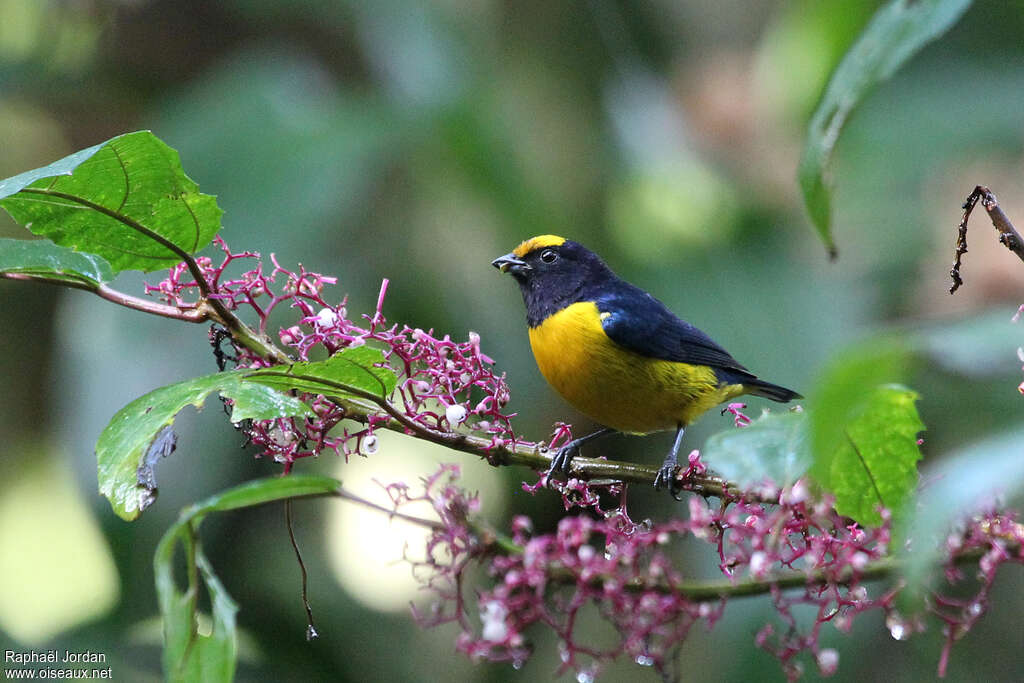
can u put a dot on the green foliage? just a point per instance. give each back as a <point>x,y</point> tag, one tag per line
<point>895,33</point>
<point>864,431</point>
<point>965,482</point>
<point>877,462</point>
<point>43,259</point>
<point>844,390</point>
<point>982,345</point>
<point>538,121</point>
<point>346,373</point>
<point>126,200</point>
<point>858,437</point>
<point>774,446</point>
<point>188,655</point>
<point>124,450</point>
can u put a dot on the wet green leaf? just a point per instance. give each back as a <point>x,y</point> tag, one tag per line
<point>42,259</point>
<point>877,463</point>
<point>135,438</point>
<point>863,430</point>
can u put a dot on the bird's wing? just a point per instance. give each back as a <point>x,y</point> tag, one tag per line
<point>637,321</point>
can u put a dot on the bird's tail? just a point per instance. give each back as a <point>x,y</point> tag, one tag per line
<point>757,387</point>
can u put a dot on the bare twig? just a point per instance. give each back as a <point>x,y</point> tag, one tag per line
<point>1008,235</point>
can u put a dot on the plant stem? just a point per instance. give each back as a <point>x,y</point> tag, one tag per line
<point>521,454</point>
<point>215,309</point>
<point>695,591</point>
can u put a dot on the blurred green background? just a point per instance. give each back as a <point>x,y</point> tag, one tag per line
<point>419,140</point>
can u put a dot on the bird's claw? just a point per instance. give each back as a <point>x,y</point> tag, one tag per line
<point>562,459</point>
<point>667,478</point>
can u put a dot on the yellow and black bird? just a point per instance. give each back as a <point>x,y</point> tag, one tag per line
<point>618,354</point>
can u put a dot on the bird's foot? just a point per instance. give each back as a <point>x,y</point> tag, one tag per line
<point>667,477</point>
<point>561,462</point>
<point>562,459</point>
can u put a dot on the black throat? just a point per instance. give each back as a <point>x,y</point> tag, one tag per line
<point>542,302</point>
<point>546,293</point>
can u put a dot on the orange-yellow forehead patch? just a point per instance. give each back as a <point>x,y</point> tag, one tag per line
<point>536,243</point>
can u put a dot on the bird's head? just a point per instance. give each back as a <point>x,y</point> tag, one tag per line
<point>552,273</point>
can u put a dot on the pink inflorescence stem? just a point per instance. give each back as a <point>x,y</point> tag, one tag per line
<point>443,385</point>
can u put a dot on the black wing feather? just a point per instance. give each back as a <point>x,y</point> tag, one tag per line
<point>644,325</point>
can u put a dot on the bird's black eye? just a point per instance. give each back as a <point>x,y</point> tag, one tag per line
<point>549,256</point>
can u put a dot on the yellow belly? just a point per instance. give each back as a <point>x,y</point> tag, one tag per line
<point>617,387</point>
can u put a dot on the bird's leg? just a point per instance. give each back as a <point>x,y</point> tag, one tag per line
<point>667,473</point>
<point>563,457</point>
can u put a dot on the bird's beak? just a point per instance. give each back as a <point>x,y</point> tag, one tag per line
<point>510,263</point>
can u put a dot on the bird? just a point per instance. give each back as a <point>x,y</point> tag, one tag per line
<point>616,353</point>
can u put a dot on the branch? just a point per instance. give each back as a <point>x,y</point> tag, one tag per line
<point>217,311</point>
<point>694,591</point>
<point>530,455</point>
<point>1008,235</point>
<point>198,314</point>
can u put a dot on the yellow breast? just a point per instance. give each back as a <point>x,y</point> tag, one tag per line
<point>617,387</point>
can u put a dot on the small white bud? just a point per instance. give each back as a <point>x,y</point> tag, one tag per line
<point>456,414</point>
<point>828,661</point>
<point>326,318</point>
<point>859,560</point>
<point>759,564</point>
<point>493,615</point>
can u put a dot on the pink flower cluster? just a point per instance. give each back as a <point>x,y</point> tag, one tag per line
<point>1000,537</point>
<point>443,385</point>
<point>599,563</point>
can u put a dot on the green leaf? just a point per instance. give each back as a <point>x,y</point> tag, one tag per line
<point>262,491</point>
<point>864,430</point>
<point>895,33</point>
<point>877,464</point>
<point>44,260</point>
<point>965,482</point>
<point>189,656</point>
<point>139,434</point>
<point>842,393</point>
<point>127,200</point>
<point>348,372</point>
<point>772,447</point>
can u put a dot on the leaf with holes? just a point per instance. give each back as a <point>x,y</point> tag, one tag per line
<point>139,435</point>
<point>126,200</point>
<point>895,33</point>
